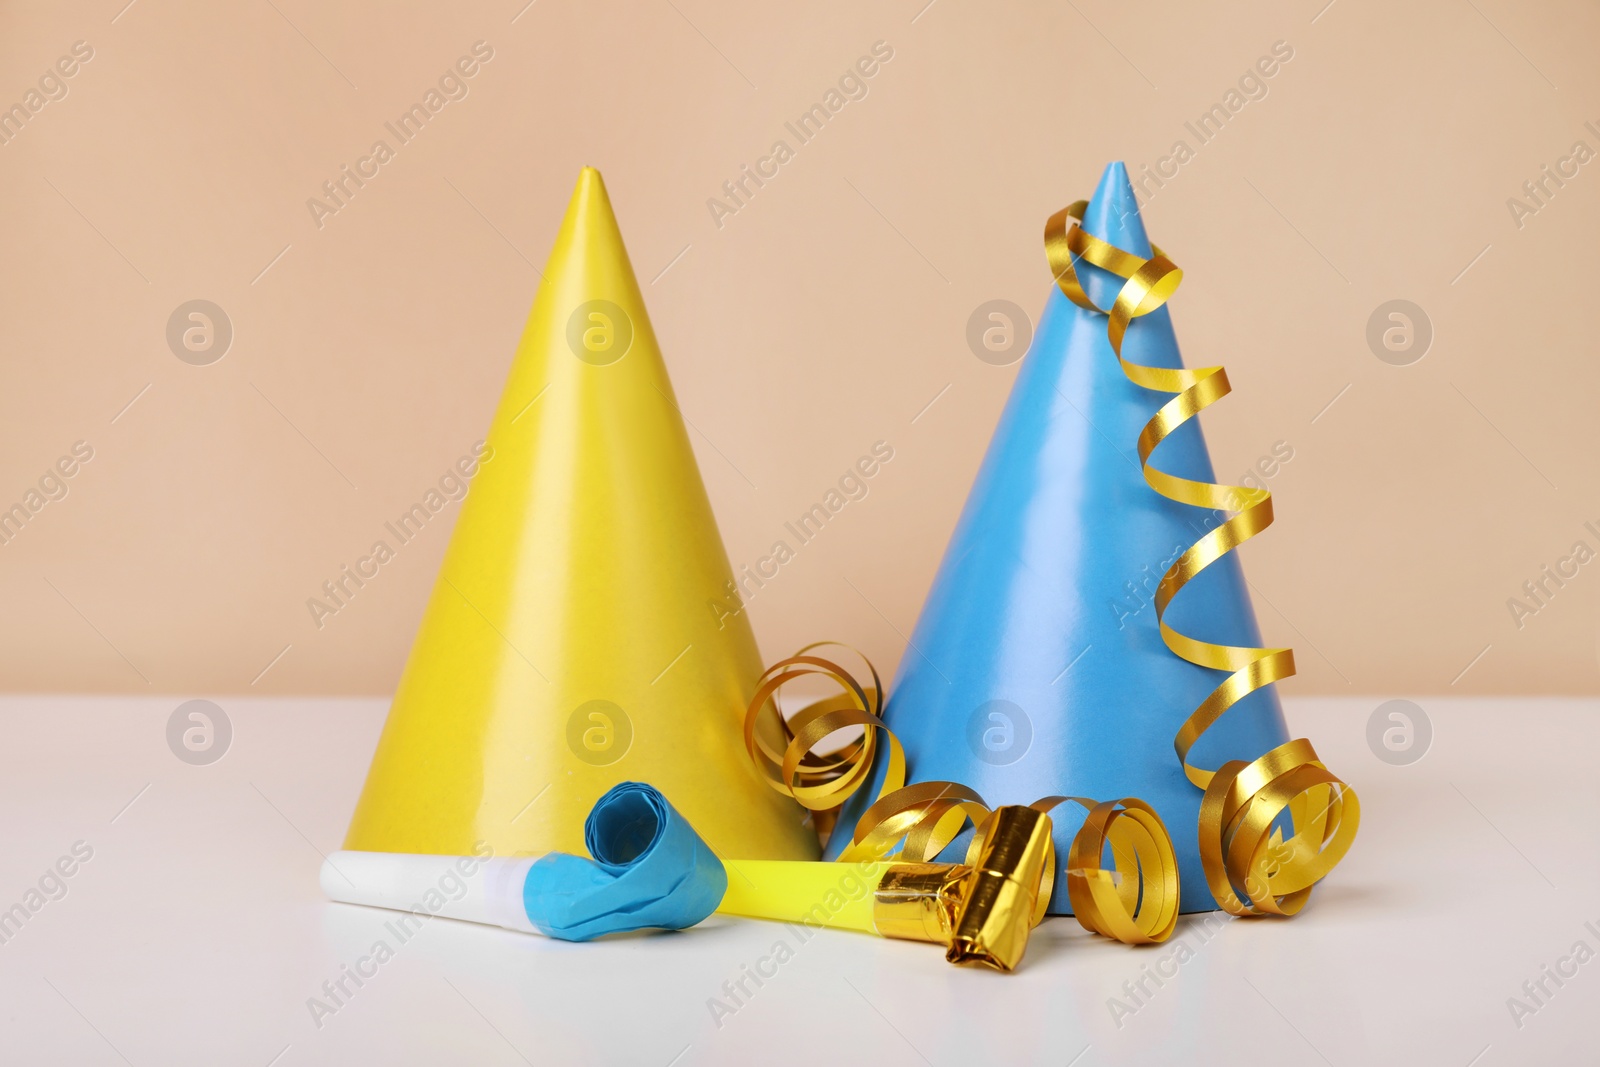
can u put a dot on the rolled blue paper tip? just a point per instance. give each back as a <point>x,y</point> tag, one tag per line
<point>650,870</point>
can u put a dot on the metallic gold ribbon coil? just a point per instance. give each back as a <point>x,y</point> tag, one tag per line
<point>1239,847</point>
<point>924,817</point>
<point>1136,904</point>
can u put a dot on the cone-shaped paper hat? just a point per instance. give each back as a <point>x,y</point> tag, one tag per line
<point>1036,667</point>
<point>568,644</point>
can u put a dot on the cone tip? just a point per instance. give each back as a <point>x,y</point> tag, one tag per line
<point>590,209</point>
<point>1113,212</point>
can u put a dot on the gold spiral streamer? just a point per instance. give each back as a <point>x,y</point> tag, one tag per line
<point>924,817</point>
<point>1135,903</point>
<point>1239,849</point>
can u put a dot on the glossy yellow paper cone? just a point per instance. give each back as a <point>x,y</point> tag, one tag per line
<point>570,642</point>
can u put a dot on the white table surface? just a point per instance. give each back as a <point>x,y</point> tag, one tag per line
<point>196,933</point>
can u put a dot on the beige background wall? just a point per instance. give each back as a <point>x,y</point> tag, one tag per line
<point>367,353</point>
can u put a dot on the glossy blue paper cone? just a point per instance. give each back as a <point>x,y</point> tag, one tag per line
<point>1036,667</point>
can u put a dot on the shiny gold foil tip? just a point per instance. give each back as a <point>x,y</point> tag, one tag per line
<point>1001,907</point>
<point>918,901</point>
<point>981,913</point>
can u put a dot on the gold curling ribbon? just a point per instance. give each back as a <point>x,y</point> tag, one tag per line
<point>1136,902</point>
<point>1137,905</point>
<point>1239,849</point>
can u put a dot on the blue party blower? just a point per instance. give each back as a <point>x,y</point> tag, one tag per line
<point>650,870</point>
<point>1036,667</point>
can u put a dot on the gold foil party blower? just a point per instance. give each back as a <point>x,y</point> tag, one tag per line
<point>981,911</point>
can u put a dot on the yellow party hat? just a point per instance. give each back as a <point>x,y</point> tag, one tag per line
<point>571,640</point>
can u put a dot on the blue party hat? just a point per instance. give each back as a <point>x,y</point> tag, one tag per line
<point>1036,667</point>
